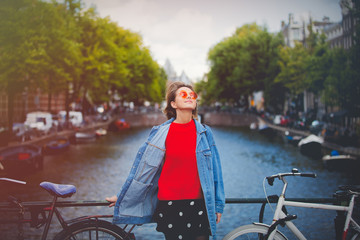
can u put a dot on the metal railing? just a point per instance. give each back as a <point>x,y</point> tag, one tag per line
<point>264,200</point>
<point>40,204</point>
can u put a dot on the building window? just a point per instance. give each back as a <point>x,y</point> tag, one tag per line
<point>296,34</point>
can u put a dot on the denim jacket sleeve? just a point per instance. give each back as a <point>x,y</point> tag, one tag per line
<point>218,180</point>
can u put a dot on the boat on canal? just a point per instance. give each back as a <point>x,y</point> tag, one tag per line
<point>57,145</point>
<point>311,146</point>
<point>100,132</point>
<point>83,137</point>
<point>119,125</point>
<point>22,157</point>
<point>340,161</point>
<point>265,129</point>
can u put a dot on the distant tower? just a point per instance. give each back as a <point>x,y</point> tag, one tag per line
<point>184,78</point>
<point>171,74</point>
<point>170,71</point>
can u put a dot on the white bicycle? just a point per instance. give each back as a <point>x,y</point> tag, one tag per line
<point>264,232</point>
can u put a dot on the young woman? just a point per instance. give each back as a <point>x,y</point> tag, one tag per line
<point>176,179</point>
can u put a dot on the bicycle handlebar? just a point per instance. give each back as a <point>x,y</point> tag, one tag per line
<point>271,179</point>
<point>12,180</point>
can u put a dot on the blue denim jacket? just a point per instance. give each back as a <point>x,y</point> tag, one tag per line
<point>137,199</point>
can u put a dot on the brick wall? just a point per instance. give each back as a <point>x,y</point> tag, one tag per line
<point>30,102</point>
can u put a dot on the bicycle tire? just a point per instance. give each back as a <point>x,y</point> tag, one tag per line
<point>356,236</point>
<point>92,229</point>
<point>252,231</point>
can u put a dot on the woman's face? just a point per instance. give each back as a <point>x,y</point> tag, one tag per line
<point>185,99</point>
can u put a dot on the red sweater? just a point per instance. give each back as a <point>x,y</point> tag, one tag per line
<point>179,177</point>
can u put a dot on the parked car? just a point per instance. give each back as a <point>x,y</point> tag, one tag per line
<point>41,121</point>
<point>75,118</point>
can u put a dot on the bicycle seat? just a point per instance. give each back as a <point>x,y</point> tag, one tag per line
<point>59,190</point>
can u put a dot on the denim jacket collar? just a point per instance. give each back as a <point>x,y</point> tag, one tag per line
<point>199,127</point>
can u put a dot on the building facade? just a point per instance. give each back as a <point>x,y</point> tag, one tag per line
<point>348,22</point>
<point>334,35</point>
<point>29,102</point>
<point>338,35</point>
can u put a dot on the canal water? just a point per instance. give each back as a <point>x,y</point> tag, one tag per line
<point>99,168</point>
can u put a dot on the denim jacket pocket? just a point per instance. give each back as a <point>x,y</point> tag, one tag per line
<point>133,202</point>
<point>206,154</point>
<point>153,155</point>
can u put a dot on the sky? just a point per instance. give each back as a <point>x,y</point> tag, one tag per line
<point>183,31</point>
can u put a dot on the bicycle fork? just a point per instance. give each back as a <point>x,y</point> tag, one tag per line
<point>281,218</point>
<point>348,217</point>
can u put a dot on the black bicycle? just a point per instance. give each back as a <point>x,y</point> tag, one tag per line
<point>41,214</point>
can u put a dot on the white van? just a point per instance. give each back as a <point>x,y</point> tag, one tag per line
<point>41,121</point>
<point>76,118</point>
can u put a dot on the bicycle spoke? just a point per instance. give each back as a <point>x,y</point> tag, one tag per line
<point>92,234</point>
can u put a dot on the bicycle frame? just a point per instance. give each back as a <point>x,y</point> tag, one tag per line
<point>63,191</point>
<point>51,208</point>
<point>279,214</point>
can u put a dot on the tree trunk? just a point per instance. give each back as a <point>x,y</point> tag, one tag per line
<point>83,105</point>
<point>67,108</point>
<point>10,110</point>
<point>49,96</point>
<point>49,101</point>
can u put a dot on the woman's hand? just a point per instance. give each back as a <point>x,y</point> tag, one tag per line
<point>111,200</point>
<point>218,217</point>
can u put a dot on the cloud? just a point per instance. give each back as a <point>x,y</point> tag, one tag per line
<point>182,34</point>
<point>134,14</point>
<point>187,26</point>
<point>184,31</point>
<point>185,39</point>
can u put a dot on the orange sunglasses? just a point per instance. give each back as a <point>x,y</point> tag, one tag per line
<point>184,94</point>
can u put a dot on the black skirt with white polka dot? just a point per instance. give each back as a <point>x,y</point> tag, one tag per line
<point>182,219</point>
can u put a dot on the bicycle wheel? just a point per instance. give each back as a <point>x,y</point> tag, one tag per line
<point>92,229</point>
<point>252,231</point>
<point>356,236</point>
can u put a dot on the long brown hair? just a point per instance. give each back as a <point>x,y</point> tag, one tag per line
<point>172,87</point>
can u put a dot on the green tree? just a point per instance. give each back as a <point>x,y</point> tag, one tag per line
<point>23,52</point>
<point>334,91</point>
<point>61,55</point>
<point>60,47</point>
<point>98,57</point>
<point>318,65</point>
<point>241,64</point>
<point>292,64</point>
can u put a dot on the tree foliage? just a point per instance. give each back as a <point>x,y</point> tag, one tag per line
<point>252,59</point>
<point>61,47</point>
<point>292,62</point>
<point>241,64</point>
